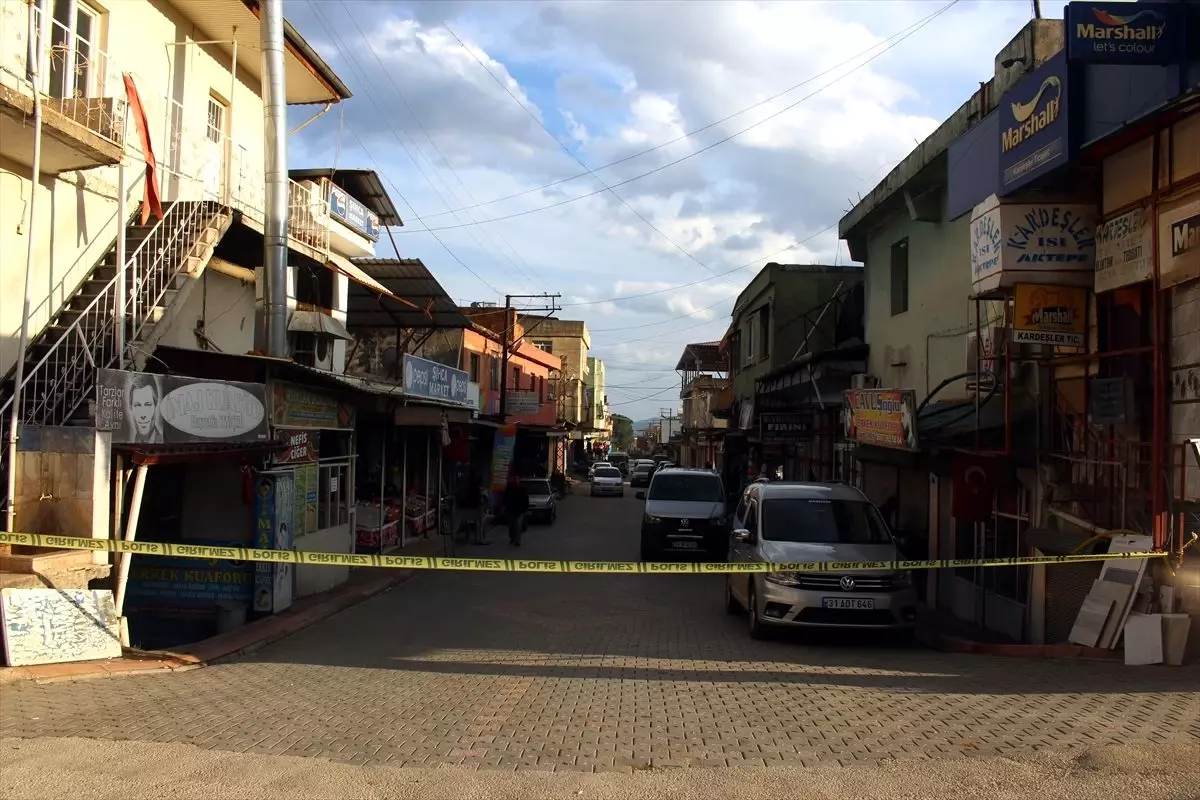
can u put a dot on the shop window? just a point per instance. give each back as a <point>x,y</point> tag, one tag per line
<point>900,277</point>
<point>335,479</point>
<point>474,367</point>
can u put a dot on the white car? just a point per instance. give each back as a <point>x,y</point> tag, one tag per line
<point>607,479</point>
<point>594,466</point>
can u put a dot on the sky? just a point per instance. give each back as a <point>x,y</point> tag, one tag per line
<point>643,160</point>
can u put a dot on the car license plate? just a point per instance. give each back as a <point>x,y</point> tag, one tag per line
<point>854,603</point>
<point>684,545</point>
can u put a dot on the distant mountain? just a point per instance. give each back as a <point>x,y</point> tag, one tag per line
<point>643,424</point>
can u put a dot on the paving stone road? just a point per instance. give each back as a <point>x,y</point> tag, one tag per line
<point>606,672</point>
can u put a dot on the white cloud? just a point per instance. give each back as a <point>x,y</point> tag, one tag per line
<point>611,79</point>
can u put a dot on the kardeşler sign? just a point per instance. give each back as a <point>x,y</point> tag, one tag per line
<point>1051,315</point>
<point>1033,243</point>
<point>882,417</point>
<point>1034,125</point>
<point>424,378</point>
<point>1123,251</point>
<point>144,408</point>
<point>1179,241</point>
<point>1124,33</point>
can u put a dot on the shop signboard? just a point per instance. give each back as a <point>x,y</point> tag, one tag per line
<point>881,417</point>
<point>353,213</point>
<point>179,585</point>
<point>1035,130</point>
<point>273,519</point>
<point>143,408</point>
<point>1179,241</point>
<point>1122,33</point>
<point>521,402</point>
<point>1052,315</point>
<point>295,406</point>
<point>1123,251</point>
<point>300,446</point>
<point>425,378</point>
<point>781,427</point>
<point>1013,243</point>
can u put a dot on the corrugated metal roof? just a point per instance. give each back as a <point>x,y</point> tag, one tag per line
<point>361,184</point>
<point>408,279</point>
<point>309,79</point>
<point>702,357</point>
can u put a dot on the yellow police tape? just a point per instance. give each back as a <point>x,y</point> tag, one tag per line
<point>520,564</point>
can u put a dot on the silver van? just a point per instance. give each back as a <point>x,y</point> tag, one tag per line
<point>789,522</point>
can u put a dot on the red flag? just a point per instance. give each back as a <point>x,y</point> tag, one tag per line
<point>152,201</point>
<point>974,488</point>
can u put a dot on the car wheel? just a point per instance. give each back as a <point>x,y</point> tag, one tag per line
<point>731,603</point>
<point>758,630</point>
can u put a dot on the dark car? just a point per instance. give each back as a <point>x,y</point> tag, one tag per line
<point>641,473</point>
<point>685,514</point>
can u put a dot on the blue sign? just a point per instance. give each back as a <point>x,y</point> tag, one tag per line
<point>353,213</point>
<point>424,378</point>
<point>1125,33</point>
<point>166,585</point>
<point>1035,129</point>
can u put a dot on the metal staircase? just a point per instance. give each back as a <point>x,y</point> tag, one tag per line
<point>61,362</point>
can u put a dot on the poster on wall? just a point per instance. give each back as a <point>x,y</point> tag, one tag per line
<point>502,455</point>
<point>1123,251</point>
<point>1053,315</point>
<point>1179,241</point>
<point>881,417</point>
<point>273,515</point>
<point>284,539</point>
<point>144,408</point>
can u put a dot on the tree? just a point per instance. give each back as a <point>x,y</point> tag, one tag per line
<point>622,433</point>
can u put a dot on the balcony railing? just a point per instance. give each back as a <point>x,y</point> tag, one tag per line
<point>74,84</point>
<point>196,157</point>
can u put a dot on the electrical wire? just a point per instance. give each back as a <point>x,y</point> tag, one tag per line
<point>712,145</point>
<point>692,133</point>
<point>642,399</point>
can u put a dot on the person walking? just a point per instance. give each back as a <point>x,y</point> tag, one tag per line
<point>516,503</point>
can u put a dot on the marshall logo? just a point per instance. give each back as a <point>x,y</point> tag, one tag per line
<point>1185,235</point>
<point>1034,116</point>
<point>1053,315</point>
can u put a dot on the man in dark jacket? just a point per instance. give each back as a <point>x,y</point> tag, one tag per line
<point>516,503</point>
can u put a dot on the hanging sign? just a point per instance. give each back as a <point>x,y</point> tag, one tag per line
<point>1123,251</point>
<point>882,417</point>
<point>1179,241</point>
<point>1053,315</point>
<point>144,408</point>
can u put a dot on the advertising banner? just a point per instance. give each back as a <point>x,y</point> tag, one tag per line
<point>1035,131</point>
<point>1013,243</point>
<point>778,427</point>
<point>301,448</point>
<point>425,378</point>
<point>521,402</point>
<point>882,417</point>
<point>1121,33</point>
<point>295,406</point>
<point>1123,251</point>
<point>143,408</point>
<point>502,455</point>
<point>1179,240</point>
<point>274,509</point>
<point>1053,315</point>
<point>353,213</point>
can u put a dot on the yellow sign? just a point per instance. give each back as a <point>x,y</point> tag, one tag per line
<point>259,555</point>
<point>1054,315</point>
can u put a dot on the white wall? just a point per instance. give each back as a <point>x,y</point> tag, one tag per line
<point>76,211</point>
<point>226,307</point>
<point>316,578</point>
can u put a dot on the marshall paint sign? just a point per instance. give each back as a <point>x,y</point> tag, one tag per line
<point>1125,33</point>
<point>1034,125</point>
<point>1053,315</point>
<point>1179,240</point>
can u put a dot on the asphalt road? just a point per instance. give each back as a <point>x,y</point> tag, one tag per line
<point>643,678</point>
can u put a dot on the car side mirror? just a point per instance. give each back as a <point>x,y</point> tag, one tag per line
<point>640,495</point>
<point>744,536</point>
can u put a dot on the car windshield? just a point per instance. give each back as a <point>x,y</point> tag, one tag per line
<point>537,487</point>
<point>608,472</point>
<point>795,519</point>
<point>644,467</point>
<point>685,487</point>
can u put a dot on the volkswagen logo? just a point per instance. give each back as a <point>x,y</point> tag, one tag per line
<point>683,523</point>
<point>847,583</point>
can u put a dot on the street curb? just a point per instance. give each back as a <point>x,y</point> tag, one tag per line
<point>222,647</point>
<point>953,644</point>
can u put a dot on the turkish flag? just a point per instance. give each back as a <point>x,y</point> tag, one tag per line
<point>152,202</point>
<point>974,488</point>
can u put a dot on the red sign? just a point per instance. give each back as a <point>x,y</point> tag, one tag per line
<point>974,488</point>
<point>301,446</point>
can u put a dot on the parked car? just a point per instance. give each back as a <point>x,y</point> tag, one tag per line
<point>594,466</point>
<point>543,500</point>
<point>791,521</point>
<point>608,480</point>
<point>642,470</point>
<point>684,514</point>
<point>620,461</point>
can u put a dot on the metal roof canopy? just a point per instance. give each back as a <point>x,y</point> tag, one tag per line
<point>361,184</point>
<point>702,357</point>
<point>411,280</point>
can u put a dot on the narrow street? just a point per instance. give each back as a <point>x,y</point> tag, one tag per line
<point>602,673</point>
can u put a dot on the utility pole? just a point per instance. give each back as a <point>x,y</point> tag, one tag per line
<point>508,343</point>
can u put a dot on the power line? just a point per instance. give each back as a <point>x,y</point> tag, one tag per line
<point>706,148</point>
<point>689,134</point>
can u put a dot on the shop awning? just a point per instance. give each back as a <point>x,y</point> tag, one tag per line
<point>150,454</point>
<point>415,299</point>
<point>355,273</point>
<point>319,323</point>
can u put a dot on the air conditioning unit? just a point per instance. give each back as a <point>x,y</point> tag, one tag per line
<point>862,380</point>
<point>313,350</point>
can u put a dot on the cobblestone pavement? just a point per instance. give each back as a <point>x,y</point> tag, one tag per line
<point>606,672</point>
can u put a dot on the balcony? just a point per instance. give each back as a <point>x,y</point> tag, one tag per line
<point>83,114</point>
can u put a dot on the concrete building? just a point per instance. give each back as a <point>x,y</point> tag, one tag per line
<point>569,341</point>
<point>599,415</point>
